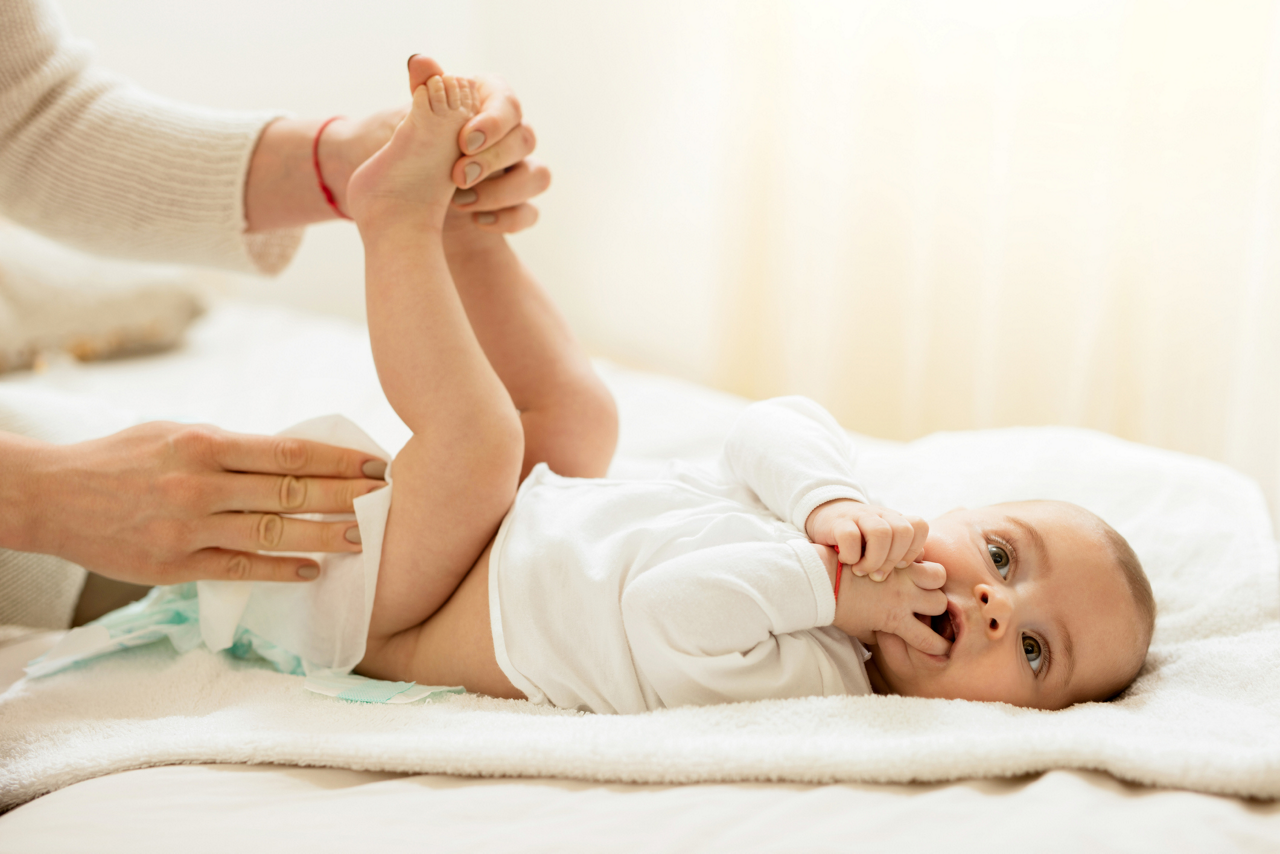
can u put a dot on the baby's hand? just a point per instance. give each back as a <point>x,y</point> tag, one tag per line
<point>871,540</point>
<point>865,607</point>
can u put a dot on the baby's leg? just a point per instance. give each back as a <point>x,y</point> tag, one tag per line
<point>456,477</point>
<point>569,417</point>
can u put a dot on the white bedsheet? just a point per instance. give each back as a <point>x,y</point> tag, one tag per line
<point>314,366</point>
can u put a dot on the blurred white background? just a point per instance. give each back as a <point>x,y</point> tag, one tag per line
<point>926,215</point>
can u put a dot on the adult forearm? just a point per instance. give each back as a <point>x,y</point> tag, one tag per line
<point>21,508</point>
<point>282,190</point>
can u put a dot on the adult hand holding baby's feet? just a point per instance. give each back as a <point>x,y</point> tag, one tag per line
<point>872,540</point>
<point>409,178</point>
<point>495,166</point>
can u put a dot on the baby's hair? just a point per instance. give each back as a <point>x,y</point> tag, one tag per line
<point>1144,601</point>
<point>1139,588</point>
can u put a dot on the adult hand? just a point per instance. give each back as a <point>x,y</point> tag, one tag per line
<point>166,503</point>
<point>495,176</point>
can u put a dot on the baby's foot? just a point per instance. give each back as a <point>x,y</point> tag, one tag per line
<point>410,176</point>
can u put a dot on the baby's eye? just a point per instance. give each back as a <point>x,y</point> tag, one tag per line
<point>1000,558</point>
<point>1031,649</point>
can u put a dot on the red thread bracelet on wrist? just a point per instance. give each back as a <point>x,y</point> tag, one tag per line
<point>839,573</point>
<point>315,161</point>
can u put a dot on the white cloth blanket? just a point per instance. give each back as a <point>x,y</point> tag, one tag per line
<point>1204,714</point>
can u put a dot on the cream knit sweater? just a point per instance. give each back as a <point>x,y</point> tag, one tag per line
<point>90,160</point>
<point>94,162</point>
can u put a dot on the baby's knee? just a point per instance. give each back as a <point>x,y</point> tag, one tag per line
<point>502,454</point>
<point>594,414</point>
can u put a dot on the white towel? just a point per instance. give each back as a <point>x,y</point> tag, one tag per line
<point>1204,714</point>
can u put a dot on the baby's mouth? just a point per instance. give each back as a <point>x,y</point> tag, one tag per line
<point>941,625</point>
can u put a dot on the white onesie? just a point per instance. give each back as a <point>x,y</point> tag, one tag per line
<point>628,595</point>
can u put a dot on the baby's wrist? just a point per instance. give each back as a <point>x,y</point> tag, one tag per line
<point>854,608</point>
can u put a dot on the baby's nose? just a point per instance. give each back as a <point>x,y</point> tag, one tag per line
<point>995,608</point>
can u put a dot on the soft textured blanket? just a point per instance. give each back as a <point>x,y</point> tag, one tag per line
<point>1204,714</point>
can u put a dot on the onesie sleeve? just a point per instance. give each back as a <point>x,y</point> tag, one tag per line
<point>92,161</point>
<point>793,455</point>
<point>728,624</point>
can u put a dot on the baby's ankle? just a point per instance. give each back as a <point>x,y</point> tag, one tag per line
<point>464,241</point>
<point>387,229</point>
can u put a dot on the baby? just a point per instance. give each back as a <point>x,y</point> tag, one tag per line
<point>771,577</point>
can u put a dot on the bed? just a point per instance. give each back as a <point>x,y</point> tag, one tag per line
<point>258,369</point>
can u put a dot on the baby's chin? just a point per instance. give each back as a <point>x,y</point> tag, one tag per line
<point>902,670</point>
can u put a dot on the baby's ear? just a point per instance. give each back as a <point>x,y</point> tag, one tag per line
<point>421,69</point>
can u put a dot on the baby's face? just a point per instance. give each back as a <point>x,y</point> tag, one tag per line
<point>1039,613</point>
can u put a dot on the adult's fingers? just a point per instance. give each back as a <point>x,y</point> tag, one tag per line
<point>519,184</point>
<point>268,493</point>
<point>226,565</point>
<point>507,221</point>
<point>270,532</point>
<point>278,455</point>
<point>499,114</point>
<point>508,151</point>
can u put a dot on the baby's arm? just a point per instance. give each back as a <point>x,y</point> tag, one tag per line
<point>865,607</point>
<point>726,624</point>
<point>796,458</point>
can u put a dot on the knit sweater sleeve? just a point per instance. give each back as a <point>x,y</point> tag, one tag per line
<point>90,160</point>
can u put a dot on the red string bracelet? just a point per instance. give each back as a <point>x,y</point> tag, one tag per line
<point>839,573</point>
<point>315,161</point>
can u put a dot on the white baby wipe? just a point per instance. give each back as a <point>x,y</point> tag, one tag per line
<point>289,615</point>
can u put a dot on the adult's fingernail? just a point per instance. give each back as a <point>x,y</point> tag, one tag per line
<point>375,469</point>
<point>472,172</point>
<point>465,197</point>
<point>410,59</point>
<point>486,218</point>
<point>353,535</point>
<point>309,571</point>
<point>475,139</point>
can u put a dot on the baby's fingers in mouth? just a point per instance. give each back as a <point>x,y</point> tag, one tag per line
<point>943,628</point>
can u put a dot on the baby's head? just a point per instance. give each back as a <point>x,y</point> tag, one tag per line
<point>1047,606</point>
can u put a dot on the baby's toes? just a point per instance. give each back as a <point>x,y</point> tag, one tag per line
<point>451,92</point>
<point>467,92</point>
<point>437,95</point>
